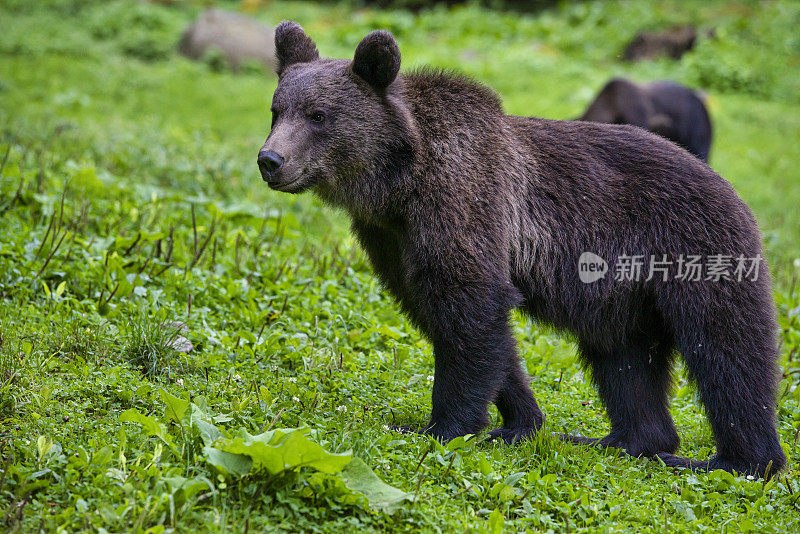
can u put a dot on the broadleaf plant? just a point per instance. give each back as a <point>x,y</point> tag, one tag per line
<point>271,454</point>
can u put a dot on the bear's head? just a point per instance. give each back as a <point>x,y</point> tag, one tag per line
<point>338,126</point>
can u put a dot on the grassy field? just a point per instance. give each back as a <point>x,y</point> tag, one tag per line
<point>131,206</point>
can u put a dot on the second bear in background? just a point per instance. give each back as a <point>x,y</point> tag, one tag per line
<point>665,108</point>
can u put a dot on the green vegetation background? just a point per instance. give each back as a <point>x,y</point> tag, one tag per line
<point>131,199</point>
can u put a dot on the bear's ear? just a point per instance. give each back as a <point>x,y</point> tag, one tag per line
<point>377,59</point>
<point>292,45</point>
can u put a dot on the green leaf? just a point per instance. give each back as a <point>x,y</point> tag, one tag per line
<point>103,456</point>
<point>43,445</point>
<point>228,463</point>
<point>86,178</point>
<point>281,450</point>
<point>190,486</point>
<point>496,522</point>
<point>503,492</point>
<point>359,477</point>
<point>484,466</point>
<point>209,433</point>
<point>143,390</point>
<point>458,443</point>
<point>391,332</point>
<point>150,425</point>
<point>174,408</point>
<point>746,525</point>
<point>549,478</point>
<point>506,494</point>
<point>512,479</point>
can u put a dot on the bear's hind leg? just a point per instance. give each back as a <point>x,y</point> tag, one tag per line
<point>736,378</point>
<point>633,383</point>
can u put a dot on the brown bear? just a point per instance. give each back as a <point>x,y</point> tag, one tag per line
<point>666,108</point>
<point>672,43</point>
<point>466,213</point>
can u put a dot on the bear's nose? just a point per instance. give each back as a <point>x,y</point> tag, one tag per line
<point>269,162</point>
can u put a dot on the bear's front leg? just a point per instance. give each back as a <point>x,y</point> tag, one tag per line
<point>522,417</point>
<point>474,352</point>
<point>464,384</point>
<point>456,287</point>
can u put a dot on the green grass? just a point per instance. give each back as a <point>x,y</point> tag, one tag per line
<point>130,200</point>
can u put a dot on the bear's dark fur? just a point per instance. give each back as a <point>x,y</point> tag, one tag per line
<point>672,43</point>
<point>666,108</point>
<point>466,213</point>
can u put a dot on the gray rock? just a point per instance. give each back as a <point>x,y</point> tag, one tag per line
<point>236,37</point>
<point>181,344</point>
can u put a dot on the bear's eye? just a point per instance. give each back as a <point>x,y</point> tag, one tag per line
<point>317,117</point>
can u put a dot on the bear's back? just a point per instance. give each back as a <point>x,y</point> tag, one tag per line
<point>445,103</point>
<point>624,181</point>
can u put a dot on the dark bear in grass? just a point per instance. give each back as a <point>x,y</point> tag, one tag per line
<point>466,213</point>
<point>672,43</point>
<point>665,108</point>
